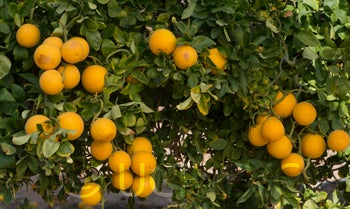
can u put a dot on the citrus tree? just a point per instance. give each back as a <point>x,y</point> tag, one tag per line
<point>234,104</point>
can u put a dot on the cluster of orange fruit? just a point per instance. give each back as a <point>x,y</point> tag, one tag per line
<point>58,75</point>
<point>270,131</point>
<point>130,169</point>
<point>184,56</point>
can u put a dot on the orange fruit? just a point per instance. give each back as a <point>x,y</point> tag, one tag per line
<point>122,181</point>
<point>70,74</point>
<point>85,45</point>
<point>93,78</point>
<point>304,113</point>
<point>272,129</point>
<point>143,186</point>
<point>162,40</point>
<point>185,57</point>
<point>313,145</point>
<point>293,165</point>
<point>101,150</point>
<point>338,140</point>
<point>53,40</point>
<point>72,51</point>
<point>51,82</point>
<point>217,59</point>
<point>103,130</point>
<point>119,161</point>
<point>143,163</point>
<point>140,144</point>
<point>28,35</point>
<point>72,122</point>
<point>47,56</point>
<point>91,194</point>
<point>281,148</point>
<point>284,104</point>
<point>255,137</point>
<point>260,119</point>
<point>31,125</point>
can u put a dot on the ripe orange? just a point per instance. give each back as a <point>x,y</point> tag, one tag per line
<point>70,74</point>
<point>72,122</point>
<point>272,129</point>
<point>32,123</point>
<point>185,57</point>
<point>255,137</point>
<point>72,51</point>
<point>338,140</point>
<point>28,35</point>
<point>143,163</point>
<point>260,119</point>
<point>122,181</point>
<point>313,145</point>
<point>284,104</point>
<point>85,45</point>
<point>217,59</point>
<point>143,186</point>
<point>293,165</point>
<point>47,56</point>
<point>281,148</point>
<point>140,144</point>
<point>103,130</point>
<point>54,40</point>
<point>119,161</point>
<point>101,150</point>
<point>51,82</point>
<point>91,194</point>
<point>93,78</point>
<point>162,40</point>
<point>304,113</point>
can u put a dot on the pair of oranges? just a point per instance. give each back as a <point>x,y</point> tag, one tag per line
<point>69,121</point>
<point>184,56</point>
<point>270,131</point>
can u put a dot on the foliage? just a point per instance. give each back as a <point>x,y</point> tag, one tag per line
<point>196,121</point>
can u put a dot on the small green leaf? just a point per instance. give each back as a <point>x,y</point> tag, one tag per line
<point>5,66</point>
<point>218,144</point>
<point>50,146</point>
<point>189,9</point>
<point>307,38</point>
<point>202,105</point>
<point>66,149</point>
<point>8,149</point>
<point>247,194</point>
<point>211,196</point>
<point>185,104</point>
<point>20,140</point>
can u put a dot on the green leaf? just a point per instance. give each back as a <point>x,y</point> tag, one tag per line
<point>66,149</point>
<point>307,38</point>
<point>189,10</point>
<point>20,140</point>
<point>50,146</point>
<point>201,42</point>
<point>4,28</point>
<point>6,96</point>
<point>309,53</point>
<point>7,161</point>
<point>7,148</point>
<point>311,3</point>
<point>270,25</point>
<point>247,194</point>
<point>94,38</point>
<point>203,106</point>
<point>5,66</point>
<point>185,104</point>
<point>218,144</point>
<point>310,204</point>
